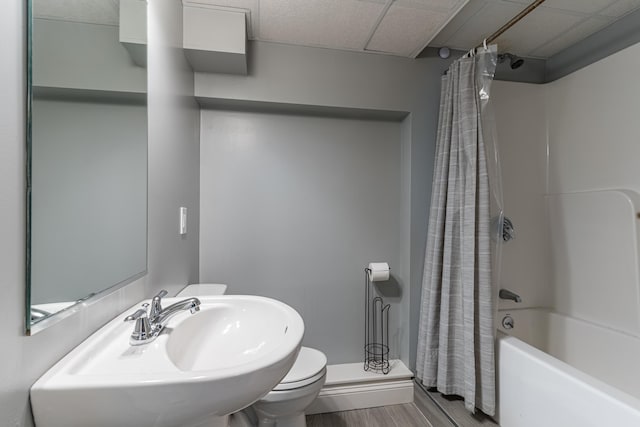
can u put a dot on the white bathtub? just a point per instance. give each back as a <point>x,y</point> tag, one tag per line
<point>555,370</point>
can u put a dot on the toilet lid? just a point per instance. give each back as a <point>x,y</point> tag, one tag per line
<point>308,368</point>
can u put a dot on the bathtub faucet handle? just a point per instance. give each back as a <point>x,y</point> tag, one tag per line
<point>507,322</point>
<point>508,295</point>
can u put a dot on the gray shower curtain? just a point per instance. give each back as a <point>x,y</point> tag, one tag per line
<point>456,331</point>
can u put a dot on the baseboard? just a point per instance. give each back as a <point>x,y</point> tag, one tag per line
<point>349,387</point>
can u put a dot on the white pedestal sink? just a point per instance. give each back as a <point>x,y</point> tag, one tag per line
<point>202,367</point>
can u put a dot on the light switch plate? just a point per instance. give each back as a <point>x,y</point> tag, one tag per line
<point>183,220</point>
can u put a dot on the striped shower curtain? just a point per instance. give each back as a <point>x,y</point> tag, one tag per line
<point>456,330</point>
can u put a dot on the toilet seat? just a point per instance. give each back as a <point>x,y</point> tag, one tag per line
<point>309,367</point>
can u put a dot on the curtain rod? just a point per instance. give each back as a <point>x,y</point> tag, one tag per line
<point>513,21</point>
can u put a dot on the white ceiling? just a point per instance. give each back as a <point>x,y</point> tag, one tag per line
<point>405,27</point>
<point>397,27</point>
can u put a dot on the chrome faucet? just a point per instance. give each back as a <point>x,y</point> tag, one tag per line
<point>160,321</point>
<point>149,326</point>
<point>507,294</point>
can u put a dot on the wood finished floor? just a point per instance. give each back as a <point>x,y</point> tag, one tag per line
<point>454,407</point>
<point>406,415</point>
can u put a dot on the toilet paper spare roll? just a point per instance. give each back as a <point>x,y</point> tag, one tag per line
<point>378,271</point>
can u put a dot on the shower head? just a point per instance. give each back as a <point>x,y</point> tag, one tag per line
<point>514,61</point>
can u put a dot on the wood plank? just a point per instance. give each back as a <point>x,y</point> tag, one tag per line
<point>324,420</point>
<point>406,415</point>
<point>430,410</point>
<point>363,418</point>
<point>425,412</point>
<point>454,407</point>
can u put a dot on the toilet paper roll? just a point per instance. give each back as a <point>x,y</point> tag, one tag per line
<point>378,271</point>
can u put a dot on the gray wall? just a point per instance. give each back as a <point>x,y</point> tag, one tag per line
<point>294,208</point>
<point>295,77</point>
<point>24,358</point>
<point>174,143</point>
<point>532,71</point>
<point>90,233</point>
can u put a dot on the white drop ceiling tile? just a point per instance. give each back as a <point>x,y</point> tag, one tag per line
<point>438,5</point>
<point>240,4</point>
<point>405,31</point>
<point>539,27</point>
<point>574,35</point>
<point>340,24</point>
<point>484,23</point>
<point>620,8</point>
<point>580,6</point>
<point>458,21</point>
<point>105,12</point>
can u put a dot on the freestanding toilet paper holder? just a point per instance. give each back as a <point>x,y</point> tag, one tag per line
<point>376,344</point>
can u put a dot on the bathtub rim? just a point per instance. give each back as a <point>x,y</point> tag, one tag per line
<point>599,387</point>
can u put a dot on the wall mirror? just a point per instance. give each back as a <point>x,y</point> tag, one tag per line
<point>86,153</point>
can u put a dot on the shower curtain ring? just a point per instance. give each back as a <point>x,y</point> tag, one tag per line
<point>484,43</point>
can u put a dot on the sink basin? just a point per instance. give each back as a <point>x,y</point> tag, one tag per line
<point>201,368</point>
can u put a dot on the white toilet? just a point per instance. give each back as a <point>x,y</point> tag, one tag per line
<point>284,406</point>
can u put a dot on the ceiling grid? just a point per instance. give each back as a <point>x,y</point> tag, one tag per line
<point>394,27</point>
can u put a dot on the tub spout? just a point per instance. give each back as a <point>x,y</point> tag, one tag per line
<point>507,294</point>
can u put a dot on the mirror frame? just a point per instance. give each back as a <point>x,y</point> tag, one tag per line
<point>29,90</point>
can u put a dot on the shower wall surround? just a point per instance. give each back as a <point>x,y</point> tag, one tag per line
<point>522,143</point>
<point>173,182</point>
<point>594,188</point>
<point>571,185</point>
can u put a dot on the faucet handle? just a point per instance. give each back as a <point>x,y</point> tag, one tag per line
<point>136,314</point>
<point>156,304</point>
<point>142,331</point>
<point>163,293</point>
